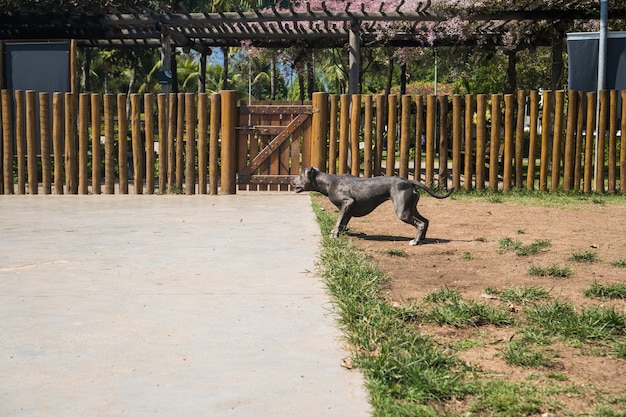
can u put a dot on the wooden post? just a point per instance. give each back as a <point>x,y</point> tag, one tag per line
<point>109,144</point>
<point>162,121</point>
<point>622,149</point>
<point>367,136</point>
<point>171,139</point>
<point>580,139</point>
<point>44,129</point>
<point>431,122</point>
<point>481,140</point>
<point>31,142</point>
<point>457,136</point>
<point>494,150</point>
<point>334,134</point>
<point>57,142</point>
<point>122,143</point>
<point>392,126</point>
<point>96,148</point>
<point>557,139</point>
<point>469,141</point>
<point>419,134</point>
<point>405,135</point>
<point>20,141</point>
<point>545,140</point>
<point>149,141</point>
<point>319,130</point>
<point>589,141</point>
<point>613,100</point>
<point>180,142</point>
<point>83,143</point>
<point>229,142</point>
<point>190,143</point>
<point>344,130</point>
<point>137,148</point>
<point>519,140</point>
<point>599,161</point>
<point>570,140</point>
<point>71,144</point>
<point>380,131</point>
<point>509,137</point>
<point>7,139</point>
<point>216,114</point>
<point>355,141</point>
<point>203,131</point>
<point>532,141</point>
<point>443,141</point>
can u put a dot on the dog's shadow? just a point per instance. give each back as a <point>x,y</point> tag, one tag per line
<point>389,238</point>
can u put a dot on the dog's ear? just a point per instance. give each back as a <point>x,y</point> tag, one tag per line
<point>312,172</point>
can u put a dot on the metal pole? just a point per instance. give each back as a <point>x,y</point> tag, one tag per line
<point>602,42</point>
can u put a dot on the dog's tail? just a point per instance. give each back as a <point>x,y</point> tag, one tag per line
<point>430,191</point>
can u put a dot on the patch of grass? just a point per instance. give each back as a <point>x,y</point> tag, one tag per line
<point>400,253</point>
<point>480,239</point>
<point>505,399</point>
<point>619,263</point>
<point>448,307</point>
<point>584,257</point>
<point>519,295</point>
<point>589,325</point>
<point>534,248</point>
<point>467,256</point>
<point>468,344</point>
<point>613,291</point>
<point>552,271</point>
<point>520,353</point>
<point>506,243</point>
<point>509,244</point>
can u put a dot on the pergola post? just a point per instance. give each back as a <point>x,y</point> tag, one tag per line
<point>355,57</point>
<point>166,59</point>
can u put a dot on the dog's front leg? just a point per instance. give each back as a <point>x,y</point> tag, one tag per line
<point>344,217</point>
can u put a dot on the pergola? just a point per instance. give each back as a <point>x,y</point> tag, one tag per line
<point>283,28</point>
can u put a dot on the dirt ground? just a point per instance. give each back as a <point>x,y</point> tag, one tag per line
<point>462,252</point>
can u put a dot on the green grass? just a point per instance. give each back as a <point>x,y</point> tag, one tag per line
<point>400,253</point>
<point>467,256</point>
<point>558,198</point>
<point>520,353</point>
<point>584,257</point>
<point>619,263</point>
<point>448,307</point>
<point>519,295</point>
<point>553,271</point>
<point>509,244</point>
<point>614,291</point>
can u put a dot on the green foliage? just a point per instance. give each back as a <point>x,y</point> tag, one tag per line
<point>508,244</point>
<point>519,295</point>
<point>551,271</point>
<point>585,257</point>
<point>614,291</point>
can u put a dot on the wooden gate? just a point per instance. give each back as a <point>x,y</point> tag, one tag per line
<point>272,141</point>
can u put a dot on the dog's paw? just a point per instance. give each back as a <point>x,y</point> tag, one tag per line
<point>414,242</point>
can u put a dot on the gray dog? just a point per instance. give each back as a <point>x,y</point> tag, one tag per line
<point>357,197</point>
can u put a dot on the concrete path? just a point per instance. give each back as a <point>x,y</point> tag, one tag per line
<point>167,306</point>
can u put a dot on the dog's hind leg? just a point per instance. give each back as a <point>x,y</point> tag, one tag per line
<point>406,210</point>
<point>421,224</point>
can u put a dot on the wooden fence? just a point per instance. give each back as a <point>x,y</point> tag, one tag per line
<point>188,143</point>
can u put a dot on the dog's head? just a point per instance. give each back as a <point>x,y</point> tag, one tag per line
<point>306,180</point>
